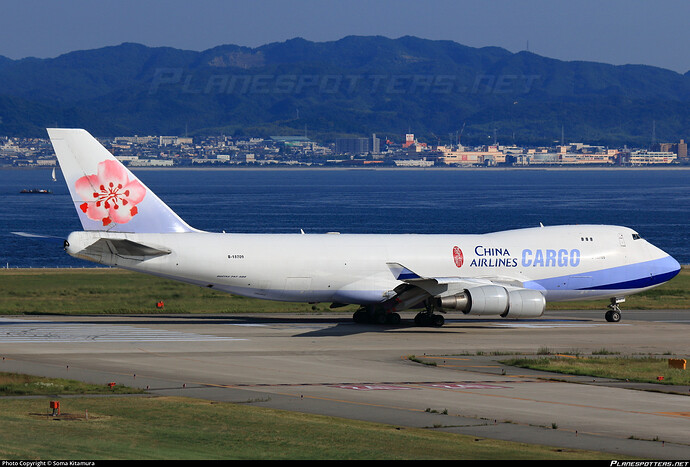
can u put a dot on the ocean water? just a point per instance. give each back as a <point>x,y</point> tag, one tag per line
<point>656,203</point>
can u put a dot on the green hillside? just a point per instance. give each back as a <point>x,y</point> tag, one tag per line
<point>353,86</point>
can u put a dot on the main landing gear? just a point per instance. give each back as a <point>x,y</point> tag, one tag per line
<point>428,317</point>
<point>424,318</point>
<point>614,313</point>
<point>374,315</point>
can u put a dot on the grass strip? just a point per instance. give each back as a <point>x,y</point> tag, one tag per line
<point>15,384</point>
<point>181,428</point>
<point>116,291</point>
<point>637,369</point>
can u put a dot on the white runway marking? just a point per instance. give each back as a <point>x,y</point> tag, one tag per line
<point>28,331</point>
<point>556,325</point>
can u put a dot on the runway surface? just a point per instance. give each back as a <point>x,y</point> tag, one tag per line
<point>326,364</point>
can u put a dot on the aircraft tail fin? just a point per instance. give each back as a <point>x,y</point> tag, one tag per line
<point>107,196</point>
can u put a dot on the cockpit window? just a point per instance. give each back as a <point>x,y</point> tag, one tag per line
<point>636,236</point>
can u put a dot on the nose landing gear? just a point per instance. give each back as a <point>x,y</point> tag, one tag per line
<point>614,313</point>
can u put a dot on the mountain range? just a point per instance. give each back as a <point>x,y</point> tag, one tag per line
<point>355,86</point>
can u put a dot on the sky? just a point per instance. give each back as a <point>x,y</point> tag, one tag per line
<point>649,32</point>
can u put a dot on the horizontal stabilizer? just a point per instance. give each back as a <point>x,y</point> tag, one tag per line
<point>45,238</point>
<point>125,249</point>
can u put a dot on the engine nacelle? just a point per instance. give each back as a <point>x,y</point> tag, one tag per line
<point>496,300</point>
<point>525,303</point>
<point>483,300</point>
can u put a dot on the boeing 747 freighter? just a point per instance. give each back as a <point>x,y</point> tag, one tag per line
<point>511,274</point>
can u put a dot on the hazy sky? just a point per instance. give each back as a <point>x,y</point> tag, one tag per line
<point>650,32</point>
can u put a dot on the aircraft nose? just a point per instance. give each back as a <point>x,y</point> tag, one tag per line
<point>674,267</point>
<point>666,267</point>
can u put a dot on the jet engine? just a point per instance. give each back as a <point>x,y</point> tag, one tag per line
<point>496,300</point>
<point>525,303</point>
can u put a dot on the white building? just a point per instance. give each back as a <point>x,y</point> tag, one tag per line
<point>651,157</point>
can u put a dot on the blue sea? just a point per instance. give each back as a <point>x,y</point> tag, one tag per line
<point>654,202</point>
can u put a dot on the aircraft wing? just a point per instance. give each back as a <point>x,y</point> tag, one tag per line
<point>438,285</point>
<point>504,296</point>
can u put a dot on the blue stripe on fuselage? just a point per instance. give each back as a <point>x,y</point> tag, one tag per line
<point>630,276</point>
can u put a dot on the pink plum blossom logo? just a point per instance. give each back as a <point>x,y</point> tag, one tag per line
<point>458,257</point>
<point>109,195</point>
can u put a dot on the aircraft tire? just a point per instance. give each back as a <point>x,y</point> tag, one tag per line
<point>393,318</point>
<point>438,320</point>
<point>613,316</point>
<point>360,317</point>
<point>425,319</point>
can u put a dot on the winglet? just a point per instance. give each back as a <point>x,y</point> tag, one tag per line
<point>402,273</point>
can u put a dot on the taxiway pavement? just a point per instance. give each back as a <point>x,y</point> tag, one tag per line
<point>327,364</point>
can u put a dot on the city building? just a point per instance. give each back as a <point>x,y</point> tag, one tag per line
<point>680,149</point>
<point>357,146</point>
<point>643,157</point>
<point>221,150</point>
<point>489,155</point>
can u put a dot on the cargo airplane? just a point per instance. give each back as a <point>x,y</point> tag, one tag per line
<point>511,274</point>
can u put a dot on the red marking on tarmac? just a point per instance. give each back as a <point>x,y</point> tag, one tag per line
<point>467,386</point>
<point>390,387</point>
<point>371,387</point>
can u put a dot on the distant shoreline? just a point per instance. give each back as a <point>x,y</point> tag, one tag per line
<point>287,168</point>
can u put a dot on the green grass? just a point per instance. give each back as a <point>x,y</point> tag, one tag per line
<point>103,291</point>
<point>181,428</point>
<point>115,291</point>
<point>149,427</point>
<point>638,369</point>
<point>14,384</point>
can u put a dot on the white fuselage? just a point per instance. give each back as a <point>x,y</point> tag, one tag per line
<point>562,262</point>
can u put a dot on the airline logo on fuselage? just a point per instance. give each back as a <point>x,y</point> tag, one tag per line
<point>487,257</point>
<point>550,258</point>
<point>458,256</point>
<point>493,257</point>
